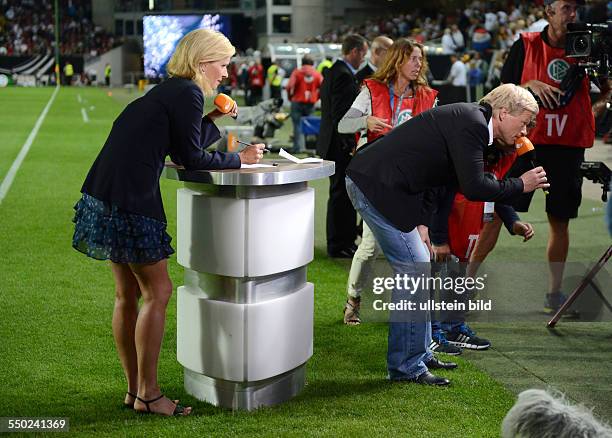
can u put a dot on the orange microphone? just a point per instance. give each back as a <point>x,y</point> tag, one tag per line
<point>224,103</point>
<point>524,147</point>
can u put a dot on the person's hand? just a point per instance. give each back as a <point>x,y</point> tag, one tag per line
<point>234,111</point>
<point>549,95</point>
<point>599,107</point>
<point>376,124</point>
<point>424,233</point>
<point>523,229</point>
<point>215,114</point>
<point>534,179</point>
<point>252,154</point>
<point>441,252</point>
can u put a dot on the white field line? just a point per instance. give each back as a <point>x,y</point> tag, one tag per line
<point>84,114</point>
<point>10,176</point>
<point>79,98</point>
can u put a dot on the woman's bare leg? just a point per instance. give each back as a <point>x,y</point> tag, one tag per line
<point>156,289</point>
<point>125,313</point>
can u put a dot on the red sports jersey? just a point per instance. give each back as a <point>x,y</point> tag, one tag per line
<point>256,76</point>
<point>304,84</point>
<point>465,220</point>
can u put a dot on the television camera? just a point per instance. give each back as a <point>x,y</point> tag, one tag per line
<point>591,44</point>
<point>266,117</point>
<point>599,173</point>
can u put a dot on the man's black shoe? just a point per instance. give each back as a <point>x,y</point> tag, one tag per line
<point>345,253</point>
<point>429,379</point>
<point>436,364</point>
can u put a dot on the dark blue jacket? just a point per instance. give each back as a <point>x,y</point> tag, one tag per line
<point>444,146</point>
<point>166,121</point>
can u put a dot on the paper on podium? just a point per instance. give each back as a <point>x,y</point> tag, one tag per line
<point>283,153</point>
<point>254,166</point>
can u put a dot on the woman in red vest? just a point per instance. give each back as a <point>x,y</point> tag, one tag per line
<point>396,92</point>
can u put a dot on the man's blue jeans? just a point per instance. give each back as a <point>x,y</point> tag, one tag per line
<point>409,331</point>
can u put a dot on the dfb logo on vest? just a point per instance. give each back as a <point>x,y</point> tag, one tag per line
<point>404,116</point>
<point>557,69</point>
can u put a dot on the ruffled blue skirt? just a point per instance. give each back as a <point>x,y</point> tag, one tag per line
<point>105,232</point>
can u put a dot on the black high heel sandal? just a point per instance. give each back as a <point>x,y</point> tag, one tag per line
<point>178,409</point>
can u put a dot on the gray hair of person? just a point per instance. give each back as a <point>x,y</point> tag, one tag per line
<point>539,414</point>
<point>381,42</point>
<point>513,98</point>
<point>352,41</point>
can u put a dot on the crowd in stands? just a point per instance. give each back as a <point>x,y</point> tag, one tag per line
<point>482,25</point>
<point>474,33</point>
<point>27,27</point>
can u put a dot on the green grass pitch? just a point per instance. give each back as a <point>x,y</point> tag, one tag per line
<point>57,357</point>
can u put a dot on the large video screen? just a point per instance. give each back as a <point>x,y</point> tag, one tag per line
<point>161,34</point>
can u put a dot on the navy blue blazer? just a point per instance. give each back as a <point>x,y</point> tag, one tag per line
<point>444,146</point>
<point>165,121</point>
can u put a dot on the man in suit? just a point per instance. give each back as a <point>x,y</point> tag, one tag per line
<point>378,50</point>
<point>390,181</point>
<point>338,91</point>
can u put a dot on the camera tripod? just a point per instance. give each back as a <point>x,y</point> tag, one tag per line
<point>588,279</point>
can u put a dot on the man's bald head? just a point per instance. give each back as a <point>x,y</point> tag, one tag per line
<point>379,48</point>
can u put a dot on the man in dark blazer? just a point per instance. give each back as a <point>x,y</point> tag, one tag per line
<point>378,51</point>
<point>389,180</point>
<point>338,91</point>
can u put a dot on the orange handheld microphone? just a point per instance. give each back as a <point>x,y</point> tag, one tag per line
<point>524,147</point>
<point>224,103</point>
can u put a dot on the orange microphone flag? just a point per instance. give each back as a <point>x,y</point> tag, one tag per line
<point>224,103</point>
<point>523,145</point>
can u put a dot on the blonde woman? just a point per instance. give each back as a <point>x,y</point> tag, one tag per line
<point>120,216</point>
<point>396,92</point>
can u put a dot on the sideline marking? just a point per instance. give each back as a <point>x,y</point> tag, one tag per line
<point>10,176</point>
<point>84,113</point>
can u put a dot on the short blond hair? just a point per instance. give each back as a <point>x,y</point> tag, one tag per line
<point>200,45</point>
<point>513,98</point>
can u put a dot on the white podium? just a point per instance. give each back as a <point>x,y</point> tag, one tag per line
<point>245,312</point>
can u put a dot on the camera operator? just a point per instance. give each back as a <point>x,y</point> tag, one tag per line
<point>563,130</point>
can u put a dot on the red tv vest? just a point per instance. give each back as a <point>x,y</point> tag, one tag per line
<point>465,220</point>
<point>381,104</point>
<point>572,125</point>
